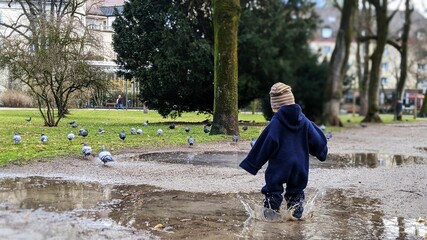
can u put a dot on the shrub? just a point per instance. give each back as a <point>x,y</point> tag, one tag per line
<point>19,99</point>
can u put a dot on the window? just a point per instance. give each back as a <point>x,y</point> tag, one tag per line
<point>32,48</point>
<point>364,50</point>
<point>421,35</point>
<point>384,66</point>
<point>386,52</point>
<point>320,3</point>
<point>384,81</point>
<point>326,50</point>
<point>332,19</point>
<point>327,32</point>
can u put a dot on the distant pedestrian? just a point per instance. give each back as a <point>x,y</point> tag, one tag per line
<point>119,102</point>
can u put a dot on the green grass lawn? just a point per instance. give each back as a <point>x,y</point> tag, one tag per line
<point>386,118</point>
<point>113,122</point>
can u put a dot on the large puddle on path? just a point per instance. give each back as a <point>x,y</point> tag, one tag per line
<point>233,159</point>
<point>329,214</point>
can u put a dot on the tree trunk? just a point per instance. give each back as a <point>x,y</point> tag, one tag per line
<point>338,65</point>
<point>364,84</point>
<point>423,110</point>
<point>404,60</point>
<point>364,79</point>
<point>226,15</point>
<point>374,77</point>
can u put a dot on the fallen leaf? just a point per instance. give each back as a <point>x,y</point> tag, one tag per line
<point>159,227</point>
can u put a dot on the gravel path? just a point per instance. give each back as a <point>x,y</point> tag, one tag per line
<point>402,190</point>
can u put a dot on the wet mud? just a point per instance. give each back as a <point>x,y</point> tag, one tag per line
<point>329,214</point>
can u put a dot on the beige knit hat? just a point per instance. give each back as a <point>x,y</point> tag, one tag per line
<point>281,94</point>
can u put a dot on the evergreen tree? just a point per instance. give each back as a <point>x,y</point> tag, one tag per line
<point>167,46</point>
<point>273,47</point>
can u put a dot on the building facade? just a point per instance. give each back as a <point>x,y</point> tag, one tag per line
<point>324,39</point>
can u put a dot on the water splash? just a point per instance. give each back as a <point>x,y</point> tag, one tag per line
<point>257,211</point>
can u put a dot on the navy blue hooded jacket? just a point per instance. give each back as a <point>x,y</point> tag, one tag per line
<point>286,144</point>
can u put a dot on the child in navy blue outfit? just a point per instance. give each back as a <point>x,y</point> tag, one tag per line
<point>286,144</point>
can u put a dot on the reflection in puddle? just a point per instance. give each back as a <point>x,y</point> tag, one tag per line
<point>233,159</point>
<point>334,214</point>
<point>370,160</point>
<point>220,159</point>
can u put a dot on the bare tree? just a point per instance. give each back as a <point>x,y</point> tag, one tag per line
<point>403,50</point>
<point>362,57</point>
<point>226,15</point>
<point>338,64</point>
<point>420,76</point>
<point>47,48</point>
<point>382,22</point>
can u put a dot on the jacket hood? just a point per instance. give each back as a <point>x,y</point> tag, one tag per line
<point>290,116</point>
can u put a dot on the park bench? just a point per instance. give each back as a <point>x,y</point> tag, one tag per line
<point>110,104</point>
<point>408,110</point>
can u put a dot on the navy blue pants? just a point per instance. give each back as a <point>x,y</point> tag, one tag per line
<point>274,200</point>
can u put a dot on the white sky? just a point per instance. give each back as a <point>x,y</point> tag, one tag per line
<point>419,5</point>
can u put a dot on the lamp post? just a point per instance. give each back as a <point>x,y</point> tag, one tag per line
<point>126,94</point>
<point>133,93</point>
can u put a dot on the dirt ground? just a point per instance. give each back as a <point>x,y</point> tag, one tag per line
<point>402,189</point>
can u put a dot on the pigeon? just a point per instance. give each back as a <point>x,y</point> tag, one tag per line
<point>43,138</point>
<point>253,141</point>
<point>72,122</point>
<point>172,126</point>
<point>17,138</point>
<point>322,127</point>
<point>70,136</point>
<point>206,129</point>
<point>122,135</point>
<point>328,135</point>
<point>28,119</point>
<point>159,131</point>
<point>363,125</point>
<point>86,150</point>
<point>83,132</point>
<point>101,131</point>
<point>191,140</point>
<point>139,131</point>
<point>146,123</point>
<point>245,127</point>
<point>235,138</point>
<point>133,131</point>
<point>105,156</point>
<point>74,125</point>
<point>187,129</point>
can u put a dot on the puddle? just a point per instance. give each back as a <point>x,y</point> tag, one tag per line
<point>369,160</point>
<point>219,159</point>
<point>233,159</point>
<point>330,214</point>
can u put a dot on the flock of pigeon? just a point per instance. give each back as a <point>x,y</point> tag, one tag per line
<point>104,155</point>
